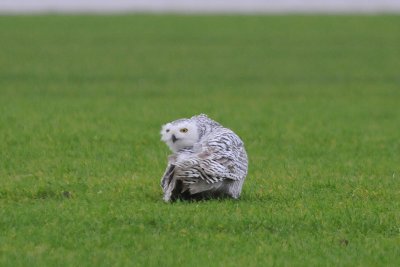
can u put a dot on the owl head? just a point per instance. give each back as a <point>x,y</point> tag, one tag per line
<point>180,134</point>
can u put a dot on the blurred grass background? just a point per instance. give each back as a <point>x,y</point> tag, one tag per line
<point>315,99</point>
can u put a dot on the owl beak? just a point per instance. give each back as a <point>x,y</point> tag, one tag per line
<point>174,138</point>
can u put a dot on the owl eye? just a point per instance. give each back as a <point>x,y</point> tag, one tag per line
<point>167,130</point>
<point>183,130</point>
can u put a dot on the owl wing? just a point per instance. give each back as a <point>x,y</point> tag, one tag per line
<point>166,178</point>
<point>222,157</point>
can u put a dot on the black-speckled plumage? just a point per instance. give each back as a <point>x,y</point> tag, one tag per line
<point>214,166</point>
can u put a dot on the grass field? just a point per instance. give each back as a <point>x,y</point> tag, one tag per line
<point>316,100</point>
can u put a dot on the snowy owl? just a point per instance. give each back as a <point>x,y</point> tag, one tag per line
<point>208,160</point>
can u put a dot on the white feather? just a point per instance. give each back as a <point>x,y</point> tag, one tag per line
<point>208,161</point>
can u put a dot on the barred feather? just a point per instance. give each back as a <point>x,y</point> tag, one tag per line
<point>215,166</point>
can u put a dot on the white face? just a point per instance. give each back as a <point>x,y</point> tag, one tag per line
<point>179,135</point>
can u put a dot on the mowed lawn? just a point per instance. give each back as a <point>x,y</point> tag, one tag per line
<point>316,100</point>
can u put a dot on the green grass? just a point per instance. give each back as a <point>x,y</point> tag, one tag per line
<point>316,100</point>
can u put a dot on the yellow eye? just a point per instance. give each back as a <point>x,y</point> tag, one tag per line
<point>183,130</point>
